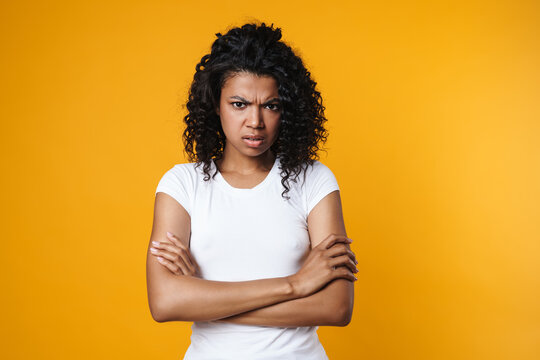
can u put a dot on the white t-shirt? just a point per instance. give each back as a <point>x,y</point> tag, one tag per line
<point>248,234</point>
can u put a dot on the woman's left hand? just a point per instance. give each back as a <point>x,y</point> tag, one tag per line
<point>175,256</point>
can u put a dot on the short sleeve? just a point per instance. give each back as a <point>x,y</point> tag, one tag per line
<point>176,182</point>
<point>319,183</point>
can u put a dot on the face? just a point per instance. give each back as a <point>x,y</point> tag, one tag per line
<point>249,107</point>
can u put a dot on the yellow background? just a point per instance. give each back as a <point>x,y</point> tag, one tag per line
<point>434,139</point>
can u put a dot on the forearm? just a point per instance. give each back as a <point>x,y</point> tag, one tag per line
<point>187,298</point>
<point>330,306</point>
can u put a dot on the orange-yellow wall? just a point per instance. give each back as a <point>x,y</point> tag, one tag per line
<point>434,123</point>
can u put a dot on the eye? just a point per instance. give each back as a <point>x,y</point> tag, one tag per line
<point>234,104</point>
<point>274,107</point>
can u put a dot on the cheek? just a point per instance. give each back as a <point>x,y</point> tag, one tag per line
<point>230,124</point>
<point>276,124</point>
<point>227,119</point>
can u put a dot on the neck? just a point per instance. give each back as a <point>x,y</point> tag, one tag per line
<point>238,163</point>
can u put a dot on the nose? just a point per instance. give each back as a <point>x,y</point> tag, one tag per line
<point>255,118</point>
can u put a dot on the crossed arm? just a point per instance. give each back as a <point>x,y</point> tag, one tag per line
<point>266,302</point>
<point>330,306</point>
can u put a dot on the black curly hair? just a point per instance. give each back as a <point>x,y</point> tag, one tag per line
<point>256,49</point>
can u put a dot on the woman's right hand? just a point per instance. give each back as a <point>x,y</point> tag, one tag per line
<point>331,259</point>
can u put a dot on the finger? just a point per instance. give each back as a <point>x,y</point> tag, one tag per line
<point>343,260</point>
<point>187,258</point>
<point>352,255</point>
<point>185,269</point>
<point>332,239</point>
<point>194,262</point>
<point>174,258</point>
<point>160,250</point>
<point>180,250</point>
<point>339,249</point>
<point>344,273</point>
<point>174,239</point>
<point>172,267</point>
<point>181,245</point>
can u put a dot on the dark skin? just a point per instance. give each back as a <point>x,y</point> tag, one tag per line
<point>331,305</point>
<point>320,293</point>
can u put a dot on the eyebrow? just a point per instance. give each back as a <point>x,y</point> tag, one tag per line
<point>249,102</point>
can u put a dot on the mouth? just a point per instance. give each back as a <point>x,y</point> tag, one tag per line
<point>253,140</point>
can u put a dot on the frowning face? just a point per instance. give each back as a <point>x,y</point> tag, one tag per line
<point>250,113</point>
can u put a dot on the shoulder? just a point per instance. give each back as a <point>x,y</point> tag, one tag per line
<point>319,182</point>
<point>318,167</point>
<point>179,182</point>
<point>184,168</point>
<point>317,172</point>
<point>182,172</point>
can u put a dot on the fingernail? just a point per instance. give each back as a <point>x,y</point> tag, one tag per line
<point>161,259</point>
<point>169,234</point>
<point>155,243</point>
<point>153,250</point>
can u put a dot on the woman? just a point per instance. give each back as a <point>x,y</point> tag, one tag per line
<point>248,239</point>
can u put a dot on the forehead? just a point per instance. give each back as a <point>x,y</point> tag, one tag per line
<point>249,83</point>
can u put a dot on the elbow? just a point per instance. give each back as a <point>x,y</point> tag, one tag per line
<point>158,316</point>
<point>345,304</point>
<point>167,308</point>
<point>158,310</point>
<point>343,316</point>
<point>344,320</point>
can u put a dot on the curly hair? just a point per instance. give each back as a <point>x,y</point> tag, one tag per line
<point>256,49</point>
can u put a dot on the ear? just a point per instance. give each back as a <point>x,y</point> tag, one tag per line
<point>217,111</point>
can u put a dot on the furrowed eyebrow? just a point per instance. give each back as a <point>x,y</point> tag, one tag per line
<point>249,102</point>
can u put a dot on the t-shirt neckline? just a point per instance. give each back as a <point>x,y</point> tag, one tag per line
<point>224,184</point>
